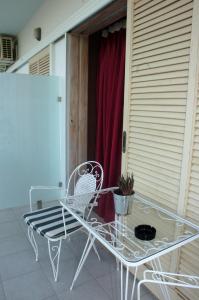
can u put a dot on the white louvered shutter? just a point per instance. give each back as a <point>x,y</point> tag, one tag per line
<point>189,255</point>
<point>40,63</point>
<point>158,79</point>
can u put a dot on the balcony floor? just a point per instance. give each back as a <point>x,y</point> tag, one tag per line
<point>21,278</point>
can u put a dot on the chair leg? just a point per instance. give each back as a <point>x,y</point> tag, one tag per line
<point>97,253</point>
<point>33,241</point>
<point>54,254</point>
<point>94,248</point>
<point>87,248</point>
<point>156,265</point>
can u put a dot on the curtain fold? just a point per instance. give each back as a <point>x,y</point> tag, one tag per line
<point>110,98</point>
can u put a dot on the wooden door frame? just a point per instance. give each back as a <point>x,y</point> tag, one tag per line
<point>77,94</point>
<point>77,78</point>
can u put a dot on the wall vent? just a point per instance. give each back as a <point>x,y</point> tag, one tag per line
<point>40,63</point>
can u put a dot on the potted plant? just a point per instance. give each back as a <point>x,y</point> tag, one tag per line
<point>123,195</point>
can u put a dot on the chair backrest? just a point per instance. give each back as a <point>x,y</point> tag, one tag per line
<point>86,178</point>
<point>168,279</point>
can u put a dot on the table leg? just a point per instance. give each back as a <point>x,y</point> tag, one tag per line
<point>85,253</point>
<point>121,277</point>
<point>127,283</point>
<point>124,292</point>
<point>134,281</point>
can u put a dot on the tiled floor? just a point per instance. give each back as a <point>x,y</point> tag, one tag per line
<point>21,278</point>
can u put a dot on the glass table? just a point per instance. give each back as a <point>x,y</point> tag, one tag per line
<point>172,232</point>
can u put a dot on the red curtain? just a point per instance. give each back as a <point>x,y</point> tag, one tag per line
<point>110,95</point>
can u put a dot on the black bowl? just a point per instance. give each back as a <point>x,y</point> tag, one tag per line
<point>145,232</point>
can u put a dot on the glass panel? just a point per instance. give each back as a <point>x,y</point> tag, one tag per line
<point>29,136</point>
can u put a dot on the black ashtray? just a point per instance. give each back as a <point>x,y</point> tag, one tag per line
<point>145,232</point>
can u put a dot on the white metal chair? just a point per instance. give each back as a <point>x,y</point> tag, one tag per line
<point>165,279</point>
<point>51,224</point>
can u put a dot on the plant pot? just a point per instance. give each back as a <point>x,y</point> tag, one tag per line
<point>122,203</point>
<point>130,204</point>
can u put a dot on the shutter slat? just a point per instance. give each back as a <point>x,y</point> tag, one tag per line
<point>145,28</point>
<point>159,127</point>
<point>170,158</point>
<point>165,43</point>
<point>142,65</point>
<point>171,136</point>
<point>161,50</point>
<point>151,77</point>
<point>158,10</point>
<point>170,11</point>
<point>156,139</point>
<point>160,121</point>
<point>161,70</point>
<point>157,108</point>
<point>154,161</point>
<point>152,166</point>
<point>151,143</point>
<point>161,33</point>
<point>159,102</point>
<point>158,114</point>
<point>159,89</point>
<point>163,82</point>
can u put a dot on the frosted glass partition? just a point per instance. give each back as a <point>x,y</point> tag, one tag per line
<point>29,136</point>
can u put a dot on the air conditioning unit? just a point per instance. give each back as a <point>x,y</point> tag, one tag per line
<point>7,51</point>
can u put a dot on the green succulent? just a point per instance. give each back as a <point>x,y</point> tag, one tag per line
<point>125,184</point>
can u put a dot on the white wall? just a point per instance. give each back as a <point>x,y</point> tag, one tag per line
<point>49,16</point>
<point>23,70</point>
<point>59,58</point>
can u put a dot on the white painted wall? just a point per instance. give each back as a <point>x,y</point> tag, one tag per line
<point>59,58</point>
<point>49,16</point>
<point>23,70</point>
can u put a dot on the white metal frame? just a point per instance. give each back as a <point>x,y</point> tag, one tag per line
<point>164,279</point>
<point>128,257</point>
<point>86,171</point>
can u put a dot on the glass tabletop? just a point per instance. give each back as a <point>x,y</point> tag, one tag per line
<point>172,231</point>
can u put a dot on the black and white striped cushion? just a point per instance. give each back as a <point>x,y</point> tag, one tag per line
<point>48,222</point>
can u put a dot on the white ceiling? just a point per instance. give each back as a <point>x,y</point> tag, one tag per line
<point>14,14</point>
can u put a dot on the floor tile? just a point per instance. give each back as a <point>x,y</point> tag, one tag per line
<point>148,296</point>
<point>22,225</point>
<point>9,228</point>
<point>53,298</point>
<point>13,245</point>
<point>78,242</point>
<point>66,251</point>
<point>111,283</point>
<point>88,291</point>
<point>2,294</point>
<point>19,211</point>
<point>17,264</point>
<point>6,215</point>
<point>66,273</point>
<point>98,268</point>
<point>31,286</point>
